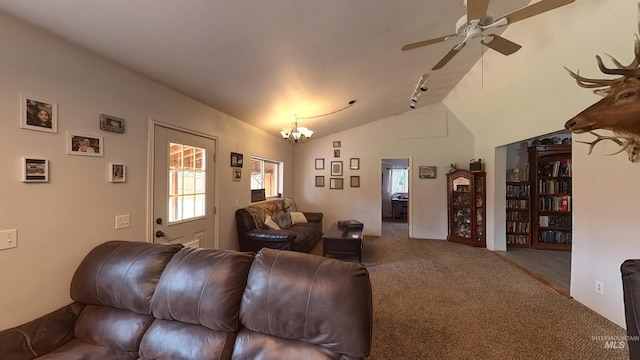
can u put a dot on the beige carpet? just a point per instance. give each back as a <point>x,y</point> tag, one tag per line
<point>439,300</point>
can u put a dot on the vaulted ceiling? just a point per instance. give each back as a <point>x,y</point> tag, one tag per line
<point>266,62</point>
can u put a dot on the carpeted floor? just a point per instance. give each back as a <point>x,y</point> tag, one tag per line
<point>435,299</point>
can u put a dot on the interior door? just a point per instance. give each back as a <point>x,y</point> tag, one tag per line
<point>183,187</point>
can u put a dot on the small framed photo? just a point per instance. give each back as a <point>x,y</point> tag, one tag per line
<point>336,153</point>
<point>237,174</point>
<point>319,181</point>
<point>336,183</point>
<point>355,181</point>
<point>337,144</point>
<point>38,114</point>
<point>236,160</point>
<point>354,164</point>
<point>111,123</point>
<point>85,145</point>
<point>319,164</point>
<point>336,168</point>
<point>427,172</point>
<point>117,173</point>
<point>35,170</point>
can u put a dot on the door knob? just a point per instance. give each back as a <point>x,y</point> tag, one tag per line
<point>159,221</point>
<point>159,234</point>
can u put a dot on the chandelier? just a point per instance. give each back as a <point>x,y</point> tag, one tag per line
<point>297,133</point>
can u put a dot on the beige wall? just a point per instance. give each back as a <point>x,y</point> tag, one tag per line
<point>507,99</point>
<point>59,221</point>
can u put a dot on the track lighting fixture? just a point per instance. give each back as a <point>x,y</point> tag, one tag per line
<point>420,88</point>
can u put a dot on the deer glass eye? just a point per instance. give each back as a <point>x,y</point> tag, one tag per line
<point>626,95</point>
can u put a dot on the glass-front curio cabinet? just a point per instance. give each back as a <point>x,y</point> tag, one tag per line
<point>466,203</point>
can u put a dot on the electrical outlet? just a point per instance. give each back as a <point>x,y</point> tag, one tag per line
<point>599,287</point>
<point>8,239</point>
<point>123,221</point>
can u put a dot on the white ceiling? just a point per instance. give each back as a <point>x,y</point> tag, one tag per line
<point>263,62</point>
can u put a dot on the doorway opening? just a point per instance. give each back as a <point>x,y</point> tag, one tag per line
<point>538,208</point>
<point>395,190</point>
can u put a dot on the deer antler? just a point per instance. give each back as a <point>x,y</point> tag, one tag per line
<point>600,138</point>
<point>590,83</point>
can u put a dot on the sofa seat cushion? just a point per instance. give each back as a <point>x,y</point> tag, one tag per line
<point>111,327</point>
<point>175,340</point>
<point>78,349</point>
<point>252,345</point>
<point>304,231</point>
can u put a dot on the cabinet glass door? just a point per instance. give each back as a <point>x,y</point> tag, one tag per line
<point>479,209</point>
<point>462,207</point>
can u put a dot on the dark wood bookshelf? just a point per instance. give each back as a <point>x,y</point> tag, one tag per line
<point>518,213</point>
<point>550,176</point>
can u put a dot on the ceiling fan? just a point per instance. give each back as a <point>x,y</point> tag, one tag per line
<point>478,19</point>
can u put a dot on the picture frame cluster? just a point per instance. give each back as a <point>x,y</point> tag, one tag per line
<point>39,114</point>
<point>336,170</point>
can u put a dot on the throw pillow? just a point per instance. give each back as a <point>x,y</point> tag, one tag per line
<point>283,219</point>
<point>297,217</point>
<point>268,221</point>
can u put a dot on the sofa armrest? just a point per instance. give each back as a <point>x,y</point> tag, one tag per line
<point>313,216</point>
<point>40,336</point>
<point>257,239</point>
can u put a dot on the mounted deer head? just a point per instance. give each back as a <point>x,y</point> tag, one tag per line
<point>618,111</point>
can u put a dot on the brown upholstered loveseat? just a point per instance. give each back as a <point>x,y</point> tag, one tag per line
<point>135,300</point>
<point>254,234</point>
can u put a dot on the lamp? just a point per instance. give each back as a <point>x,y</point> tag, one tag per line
<point>297,133</point>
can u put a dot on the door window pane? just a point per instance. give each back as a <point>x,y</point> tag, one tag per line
<point>187,178</point>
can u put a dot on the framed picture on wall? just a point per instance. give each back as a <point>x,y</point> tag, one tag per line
<point>117,173</point>
<point>319,164</point>
<point>355,181</point>
<point>236,160</point>
<point>336,183</point>
<point>319,181</point>
<point>35,170</point>
<point>237,174</point>
<point>38,114</point>
<point>336,168</point>
<point>111,123</point>
<point>85,145</point>
<point>427,172</point>
<point>354,163</point>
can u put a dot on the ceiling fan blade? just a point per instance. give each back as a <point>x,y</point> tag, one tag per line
<point>477,9</point>
<point>449,56</point>
<point>500,44</point>
<point>426,42</point>
<point>535,9</point>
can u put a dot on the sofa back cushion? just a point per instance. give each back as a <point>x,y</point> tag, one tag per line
<point>317,302</point>
<point>121,274</point>
<point>196,305</point>
<point>278,210</point>
<point>116,281</point>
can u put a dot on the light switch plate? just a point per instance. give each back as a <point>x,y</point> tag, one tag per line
<point>123,221</point>
<point>8,239</point>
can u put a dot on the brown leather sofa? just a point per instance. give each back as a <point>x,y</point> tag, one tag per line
<point>253,234</point>
<point>135,300</point>
<point>630,270</point>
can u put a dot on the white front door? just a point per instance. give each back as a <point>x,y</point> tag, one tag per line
<point>183,187</point>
